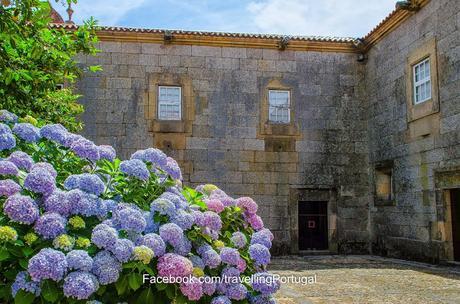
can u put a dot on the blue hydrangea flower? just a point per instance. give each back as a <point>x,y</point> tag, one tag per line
<point>45,166</point>
<point>47,264</point>
<point>122,250</point>
<point>203,248</point>
<point>85,148</point>
<point>198,218</point>
<point>163,206</point>
<point>154,242</point>
<point>79,260</point>
<point>152,155</point>
<point>209,287</point>
<point>70,138</point>
<point>260,254</point>
<point>229,255</point>
<point>265,283</point>
<point>183,219</point>
<point>54,132</point>
<point>135,168</point>
<point>81,202</point>
<point>104,236</point>
<point>151,226</point>
<point>184,247</point>
<point>107,152</point>
<point>9,187</point>
<point>21,160</point>
<point>173,169</point>
<point>238,239</point>
<point>8,168</point>
<point>7,141</point>
<point>179,201</point>
<point>72,182</point>
<point>7,116</point>
<point>41,181</point>
<point>106,268</point>
<point>57,202</point>
<point>22,209</point>
<point>23,282</point>
<point>211,258</point>
<point>87,182</point>
<point>221,300</point>
<point>129,217</point>
<point>237,291</point>
<point>172,234</point>
<point>230,272</point>
<point>27,132</point>
<point>4,129</point>
<point>80,285</point>
<point>49,225</point>
<point>262,237</point>
<point>197,261</point>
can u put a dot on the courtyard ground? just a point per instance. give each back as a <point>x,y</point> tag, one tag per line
<point>366,279</point>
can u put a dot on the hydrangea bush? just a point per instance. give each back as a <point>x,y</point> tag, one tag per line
<point>78,225</point>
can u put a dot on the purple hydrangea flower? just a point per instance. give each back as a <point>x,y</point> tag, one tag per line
<point>21,160</point>
<point>260,254</point>
<point>172,234</point>
<point>203,248</point>
<point>237,291</point>
<point>183,219</point>
<point>104,236</point>
<point>247,204</point>
<point>229,255</point>
<point>70,138</point>
<point>87,182</point>
<point>263,237</point>
<point>265,283</point>
<point>173,265</point>
<point>106,267</point>
<point>255,221</point>
<point>163,206</point>
<point>209,287</point>
<point>129,217</point>
<point>172,168</point>
<point>107,152</point>
<point>85,148</point>
<point>135,168</point>
<point>46,166</point>
<point>41,181</point>
<point>198,218</point>
<point>229,273</point>
<point>215,205</point>
<point>23,282</point>
<point>58,202</point>
<point>49,225</point>
<point>212,220</point>
<point>154,242</point>
<point>122,250</point>
<point>47,264</point>
<point>81,202</point>
<point>192,289</point>
<point>54,132</point>
<point>21,209</point>
<point>8,168</point>
<point>211,258</point>
<point>221,300</point>
<point>9,187</point>
<point>80,285</point>
<point>184,247</point>
<point>79,260</point>
<point>7,116</point>
<point>7,141</point>
<point>238,239</point>
<point>152,155</point>
<point>27,132</point>
<point>197,261</point>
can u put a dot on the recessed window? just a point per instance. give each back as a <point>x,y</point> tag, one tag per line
<point>169,103</point>
<point>422,81</point>
<point>384,184</point>
<point>279,106</point>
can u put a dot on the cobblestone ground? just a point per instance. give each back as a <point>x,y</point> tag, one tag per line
<point>366,279</point>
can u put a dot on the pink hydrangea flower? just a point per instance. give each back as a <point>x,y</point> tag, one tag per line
<point>215,205</point>
<point>174,265</point>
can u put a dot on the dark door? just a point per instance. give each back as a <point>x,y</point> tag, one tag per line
<point>313,226</point>
<point>455,208</point>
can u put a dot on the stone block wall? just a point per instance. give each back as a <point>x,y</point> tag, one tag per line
<point>411,227</point>
<point>223,139</point>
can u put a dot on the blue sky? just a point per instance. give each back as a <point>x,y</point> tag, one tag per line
<point>344,18</point>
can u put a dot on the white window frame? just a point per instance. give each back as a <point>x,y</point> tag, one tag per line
<point>277,108</point>
<point>170,103</point>
<point>422,83</point>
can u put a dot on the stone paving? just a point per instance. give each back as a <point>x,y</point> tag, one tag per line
<point>366,279</point>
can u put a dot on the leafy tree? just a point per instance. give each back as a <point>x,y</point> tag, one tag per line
<point>35,58</point>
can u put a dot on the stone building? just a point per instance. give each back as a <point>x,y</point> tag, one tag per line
<point>348,145</point>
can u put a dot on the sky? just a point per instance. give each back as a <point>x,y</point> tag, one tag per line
<point>340,18</point>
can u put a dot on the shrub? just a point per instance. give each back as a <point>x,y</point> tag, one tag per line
<point>79,225</point>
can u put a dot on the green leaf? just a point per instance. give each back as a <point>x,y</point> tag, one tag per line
<point>4,254</point>
<point>24,263</point>
<point>161,286</point>
<point>135,281</point>
<point>50,292</point>
<point>23,297</point>
<point>121,285</point>
<point>146,296</point>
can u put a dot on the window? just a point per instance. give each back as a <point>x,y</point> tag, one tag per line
<point>422,81</point>
<point>169,103</point>
<point>384,184</point>
<point>279,106</point>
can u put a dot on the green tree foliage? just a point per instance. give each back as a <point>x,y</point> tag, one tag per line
<point>35,58</point>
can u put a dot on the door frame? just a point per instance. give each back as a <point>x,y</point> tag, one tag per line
<point>313,194</point>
